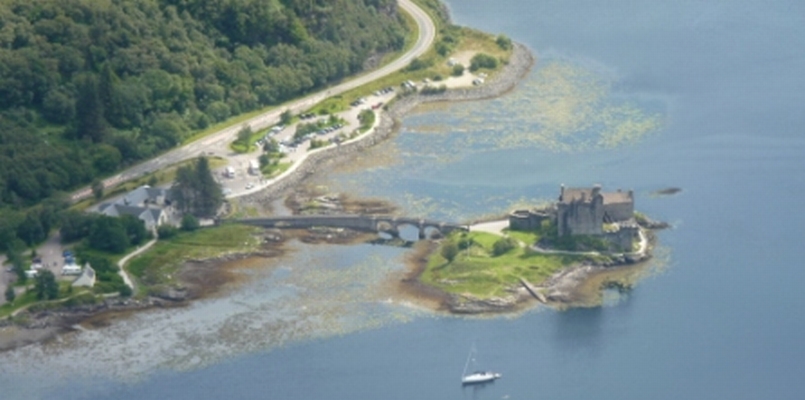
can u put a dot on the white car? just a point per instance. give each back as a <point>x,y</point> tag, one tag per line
<point>71,269</point>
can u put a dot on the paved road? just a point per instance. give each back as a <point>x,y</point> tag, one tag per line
<point>427,33</point>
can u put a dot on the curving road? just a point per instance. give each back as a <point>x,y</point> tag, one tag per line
<point>221,139</point>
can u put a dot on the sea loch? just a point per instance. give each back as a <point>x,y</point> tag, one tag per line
<point>705,96</point>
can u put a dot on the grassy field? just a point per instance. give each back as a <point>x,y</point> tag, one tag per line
<point>162,261</point>
<point>476,272</point>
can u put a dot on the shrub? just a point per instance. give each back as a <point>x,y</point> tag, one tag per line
<point>458,70</point>
<point>433,90</point>
<point>189,223</point>
<point>167,231</point>
<point>125,291</point>
<point>449,251</point>
<point>418,64</point>
<point>482,60</point>
<point>503,245</point>
<point>504,42</point>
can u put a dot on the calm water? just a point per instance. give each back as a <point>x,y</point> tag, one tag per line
<point>706,96</point>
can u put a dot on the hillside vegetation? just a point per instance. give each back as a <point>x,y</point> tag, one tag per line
<point>90,86</point>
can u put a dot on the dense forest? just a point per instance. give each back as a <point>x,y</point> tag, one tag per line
<point>90,86</point>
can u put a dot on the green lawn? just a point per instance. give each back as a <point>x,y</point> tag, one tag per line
<point>158,264</point>
<point>476,272</point>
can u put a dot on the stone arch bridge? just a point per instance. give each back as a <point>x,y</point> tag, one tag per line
<point>369,223</point>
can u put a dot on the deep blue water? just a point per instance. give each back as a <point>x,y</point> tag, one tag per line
<point>722,321</point>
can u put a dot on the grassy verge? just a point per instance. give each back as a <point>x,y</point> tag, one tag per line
<point>159,264</point>
<point>273,170</point>
<point>23,300</point>
<point>476,271</point>
<point>67,296</point>
<point>433,65</point>
<point>328,107</point>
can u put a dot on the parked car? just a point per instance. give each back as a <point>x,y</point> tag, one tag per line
<point>71,269</point>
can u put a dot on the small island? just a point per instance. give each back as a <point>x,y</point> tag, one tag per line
<point>543,253</point>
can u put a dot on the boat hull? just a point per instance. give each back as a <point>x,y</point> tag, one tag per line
<point>479,377</point>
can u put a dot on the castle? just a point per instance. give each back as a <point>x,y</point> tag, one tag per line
<point>585,211</point>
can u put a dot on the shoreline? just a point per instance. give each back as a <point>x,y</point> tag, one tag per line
<point>575,285</point>
<point>504,81</point>
<point>42,326</point>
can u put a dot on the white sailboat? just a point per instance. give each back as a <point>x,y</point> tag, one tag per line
<point>477,376</point>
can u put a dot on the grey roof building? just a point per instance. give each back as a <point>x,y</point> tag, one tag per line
<point>151,205</point>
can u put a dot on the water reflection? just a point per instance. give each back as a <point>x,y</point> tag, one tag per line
<point>477,390</point>
<point>579,329</point>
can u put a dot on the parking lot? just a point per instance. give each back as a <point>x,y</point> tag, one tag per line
<point>240,179</point>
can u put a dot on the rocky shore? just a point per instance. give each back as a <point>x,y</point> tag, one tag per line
<point>34,325</point>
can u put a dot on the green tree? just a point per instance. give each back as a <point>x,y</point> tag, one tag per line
<point>58,106</point>
<point>286,117</point>
<point>503,245</point>
<point>458,70</point>
<point>125,290</point>
<point>106,158</point>
<point>135,229</point>
<point>244,136</point>
<point>45,285</point>
<point>89,109</point>
<point>31,231</point>
<point>108,234</point>
<point>449,251</point>
<point>504,42</point>
<point>14,255</point>
<point>271,146</point>
<point>75,225</point>
<point>97,189</point>
<point>264,159</point>
<point>483,60</point>
<point>210,195</point>
<point>10,294</point>
<point>196,191</point>
<point>167,231</point>
<point>189,223</point>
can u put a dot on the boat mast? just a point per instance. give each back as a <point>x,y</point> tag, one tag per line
<point>467,364</point>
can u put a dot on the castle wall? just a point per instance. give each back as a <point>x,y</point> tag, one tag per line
<point>527,220</point>
<point>581,218</point>
<point>622,238</point>
<point>619,211</point>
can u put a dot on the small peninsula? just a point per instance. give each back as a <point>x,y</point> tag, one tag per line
<point>543,253</point>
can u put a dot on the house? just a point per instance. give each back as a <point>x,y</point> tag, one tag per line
<point>150,205</point>
<point>87,278</point>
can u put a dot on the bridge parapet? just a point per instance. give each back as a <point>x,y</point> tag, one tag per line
<point>369,223</point>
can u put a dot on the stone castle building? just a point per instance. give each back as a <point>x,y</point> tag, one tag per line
<point>585,211</point>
